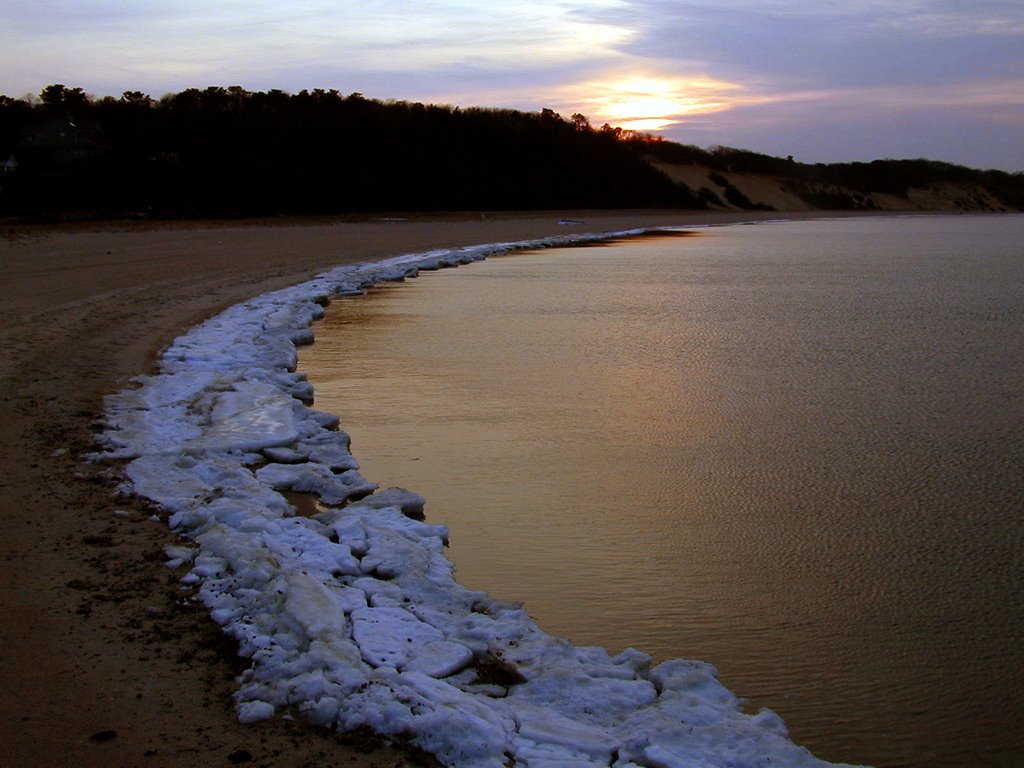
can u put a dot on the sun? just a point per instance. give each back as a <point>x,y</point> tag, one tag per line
<point>653,103</point>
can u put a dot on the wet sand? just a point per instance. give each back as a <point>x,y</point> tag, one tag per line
<point>99,660</point>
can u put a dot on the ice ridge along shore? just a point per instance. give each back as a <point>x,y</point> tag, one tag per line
<point>353,617</point>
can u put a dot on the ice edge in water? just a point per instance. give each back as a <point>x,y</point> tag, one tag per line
<point>352,617</point>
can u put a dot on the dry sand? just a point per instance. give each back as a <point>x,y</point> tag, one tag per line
<point>99,663</point>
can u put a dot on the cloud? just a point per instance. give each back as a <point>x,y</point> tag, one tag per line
<point>856,43</point>
<point>177,40</point>
<point>644,101</point>
<point>691,67</point>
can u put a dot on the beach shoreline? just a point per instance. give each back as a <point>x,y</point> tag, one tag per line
<point>97,658</point>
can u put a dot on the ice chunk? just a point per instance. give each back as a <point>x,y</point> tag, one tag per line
<point>184,482</point>
<point>542,725</point>
<point>316,608</point>
<point>597,700</point>
<point>315,478</point>
<point>439,658</point>
<point>254,711</point>
<point>301,337</point>
<point>331,451</point>
<point>410,504</point>
<point>459,728</point>
<point>388,637</point>
<point>251,416</point>
<point>285,455</point>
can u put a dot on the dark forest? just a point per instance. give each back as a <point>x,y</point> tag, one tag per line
<point>226,152</point>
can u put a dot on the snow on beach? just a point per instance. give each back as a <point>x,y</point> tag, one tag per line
<point>352,617</point>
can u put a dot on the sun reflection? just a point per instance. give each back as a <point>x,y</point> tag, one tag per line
<point>653,103</point>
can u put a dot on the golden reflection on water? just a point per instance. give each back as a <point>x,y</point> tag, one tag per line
<point>720,447</point>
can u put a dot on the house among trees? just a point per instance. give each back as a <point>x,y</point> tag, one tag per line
<point>61,140</point>
<point>61,164</point>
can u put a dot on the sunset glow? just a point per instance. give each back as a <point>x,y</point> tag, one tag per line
<point>653,103</point>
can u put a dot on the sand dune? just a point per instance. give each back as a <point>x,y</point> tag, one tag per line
<point>782,194</point>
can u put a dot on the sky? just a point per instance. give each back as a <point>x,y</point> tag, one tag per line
<point>822,80</point>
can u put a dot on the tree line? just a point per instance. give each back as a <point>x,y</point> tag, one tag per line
<point>231,152</point>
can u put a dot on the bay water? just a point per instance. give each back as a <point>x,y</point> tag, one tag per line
<point>794,450</point>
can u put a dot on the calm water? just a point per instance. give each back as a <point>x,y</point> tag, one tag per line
<point>793,450</point>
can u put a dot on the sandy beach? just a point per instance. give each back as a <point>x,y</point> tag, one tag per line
<point>98,660</point>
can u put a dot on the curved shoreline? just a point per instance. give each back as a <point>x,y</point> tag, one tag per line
<point>89,617</point>
<point>352,618</point>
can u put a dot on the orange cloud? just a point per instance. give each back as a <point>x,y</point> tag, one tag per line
<point>648,103</point>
